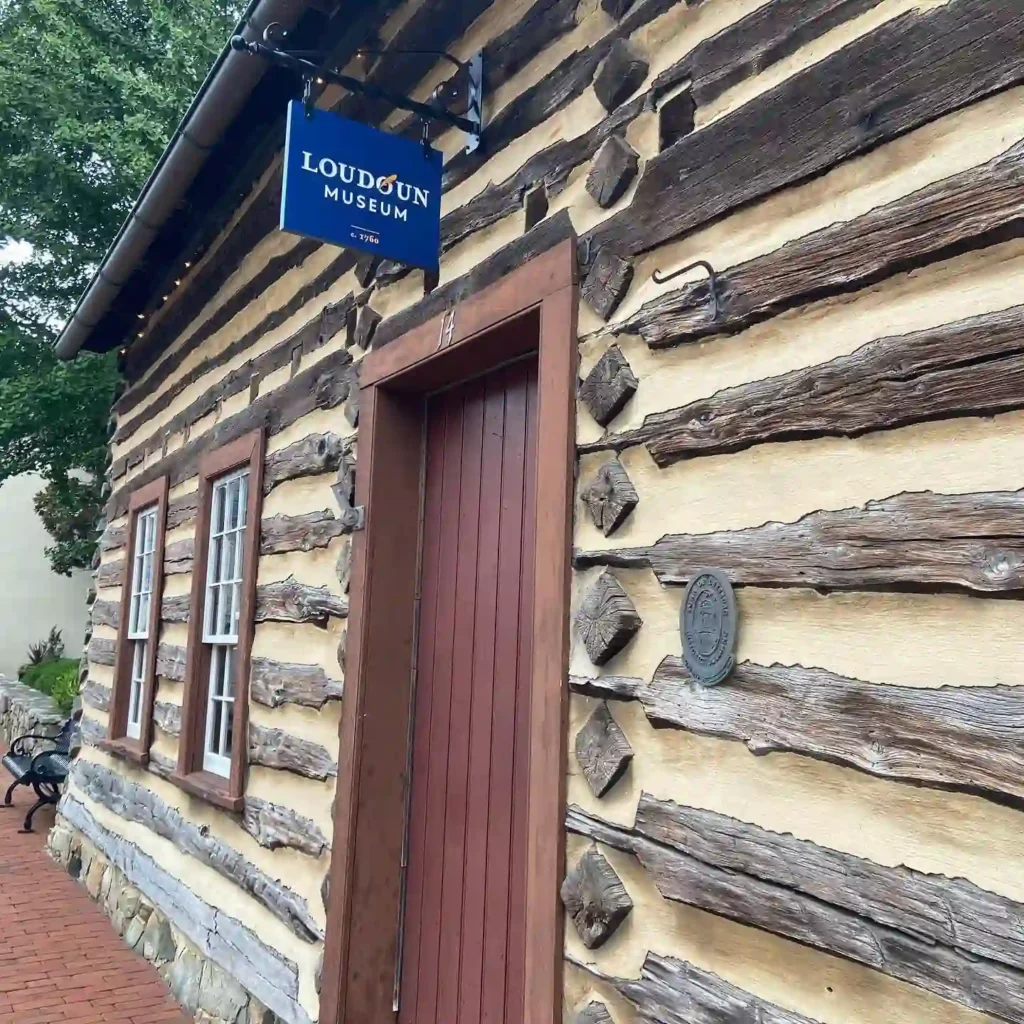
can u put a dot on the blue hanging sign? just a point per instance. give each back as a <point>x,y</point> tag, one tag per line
<point>351,185</point>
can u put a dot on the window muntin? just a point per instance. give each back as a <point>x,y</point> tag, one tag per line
<point>222,609</point>
<point>139,615</point>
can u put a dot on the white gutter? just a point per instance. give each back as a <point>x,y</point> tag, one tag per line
<point>220,99</point>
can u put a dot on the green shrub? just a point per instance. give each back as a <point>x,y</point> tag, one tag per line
<point>57,678</point>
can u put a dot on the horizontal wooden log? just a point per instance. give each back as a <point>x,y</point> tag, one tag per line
<point>974,541</point>
<point>300,533</point>
<point>178,557</point>
<point>176,608</point>
<point>106,613</point>
<point>753,44</point>
<point>276,827</point>
<point>312,456</point>
<point>96,695</point>
<point>966,738</point>
<point>609,687</point>
<point>160,765</point>
<point>844,104</point>
<point>274,683</point>
<point>110,575</point>
<point>113,537</point>
<point>275,748</point>
<point>101,652</point>
<point>969,209</point>
<point>673,991</point>
<point>168,717</point>
<point>135,803</point>
<point>291,601</point>
<point>970,367</point>
<point>307,339</point>
<point>170,663</point>
<point>547,234</point>
<point>324,385</point>
<point>820,900</point>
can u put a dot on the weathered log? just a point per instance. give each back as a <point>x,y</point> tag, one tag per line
<point>616,8</point>
<point>675,992</point>
<point>607,283</point>
<point>274,827</point>
<point>753,44</point>
<point>621,74</point>
<point>182,511</point>
<point>170,663</point>
<point>607,619</point>
<point>274,683</point>
<point>160,765</point>
<point>110,574</point>
<point>313,455</point>
<point>594,1012</point>
<point>178,557</point>
<point>291,601</point>
<point>965,210</point>
<point>300,533</point>
<point>113,537</point>
<point>610,687</point>
<point>366,268</point>
<point>945,58</point>
<point>167,717</point>
<point>106,613</point>
<point>351,407</point>
<point>175,608</point>
<point>102,652</point>
<point>969,367</point>
<point>602,751</point>
<point>90,732</point>
<point>275,748</point>
<point>974,541</point>
<point>610,497</point>
<point>138,804</point>
<point>595,899</point>
<point>96,695</point>
<point>613,171</point>
<point>608,386</point>
<point>548,233</point>
<point>955,737</point>
<point>823,900</point>
<point>324,385</point>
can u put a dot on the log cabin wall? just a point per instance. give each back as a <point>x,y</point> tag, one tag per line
<point>832,834</point>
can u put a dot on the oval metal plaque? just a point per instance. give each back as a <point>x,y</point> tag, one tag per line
<point>707,621</point>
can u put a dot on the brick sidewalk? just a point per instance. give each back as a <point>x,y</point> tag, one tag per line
<point>60,958</point>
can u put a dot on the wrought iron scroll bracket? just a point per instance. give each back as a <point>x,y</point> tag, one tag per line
<point>311,66</point>
<point>659,278</point>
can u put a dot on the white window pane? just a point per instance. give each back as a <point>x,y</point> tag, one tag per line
<point>243,499</point>
<point>227,557</point>
<point>217,523</point>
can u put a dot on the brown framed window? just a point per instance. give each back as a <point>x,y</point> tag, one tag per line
<point>211,755</point>
<point>131,714</point>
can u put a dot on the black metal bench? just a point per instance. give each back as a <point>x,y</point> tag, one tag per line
<point>43,770</point>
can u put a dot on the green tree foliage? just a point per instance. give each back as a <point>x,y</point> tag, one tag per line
<point>90,93</point>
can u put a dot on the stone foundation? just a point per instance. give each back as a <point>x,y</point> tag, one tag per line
<point>24,710</point>
<point>204,990</point>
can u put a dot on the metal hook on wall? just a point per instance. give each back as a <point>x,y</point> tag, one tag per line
<point>659,278</point>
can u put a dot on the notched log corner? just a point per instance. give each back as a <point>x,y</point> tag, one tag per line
<point>607,283</point>
<point>595,899</point>
<point>610,497</point>
<point>613,171</point>
<point>608,386</point>
<point>620,75</point>
<point>607,620</point>
<point>602,751</point>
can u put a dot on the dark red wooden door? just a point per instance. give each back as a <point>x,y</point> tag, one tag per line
<point>464,936</point>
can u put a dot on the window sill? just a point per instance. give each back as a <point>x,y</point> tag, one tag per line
<point>209,787</point>
<point>126,750</point>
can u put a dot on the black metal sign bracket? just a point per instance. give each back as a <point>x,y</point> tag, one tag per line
<point>309,65</point>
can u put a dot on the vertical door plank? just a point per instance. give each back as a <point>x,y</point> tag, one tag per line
<point>478,801</point>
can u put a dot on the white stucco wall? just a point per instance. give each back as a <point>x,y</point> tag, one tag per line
<point>32,597</point>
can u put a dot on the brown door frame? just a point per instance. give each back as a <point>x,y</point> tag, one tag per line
<point>475,336</point>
